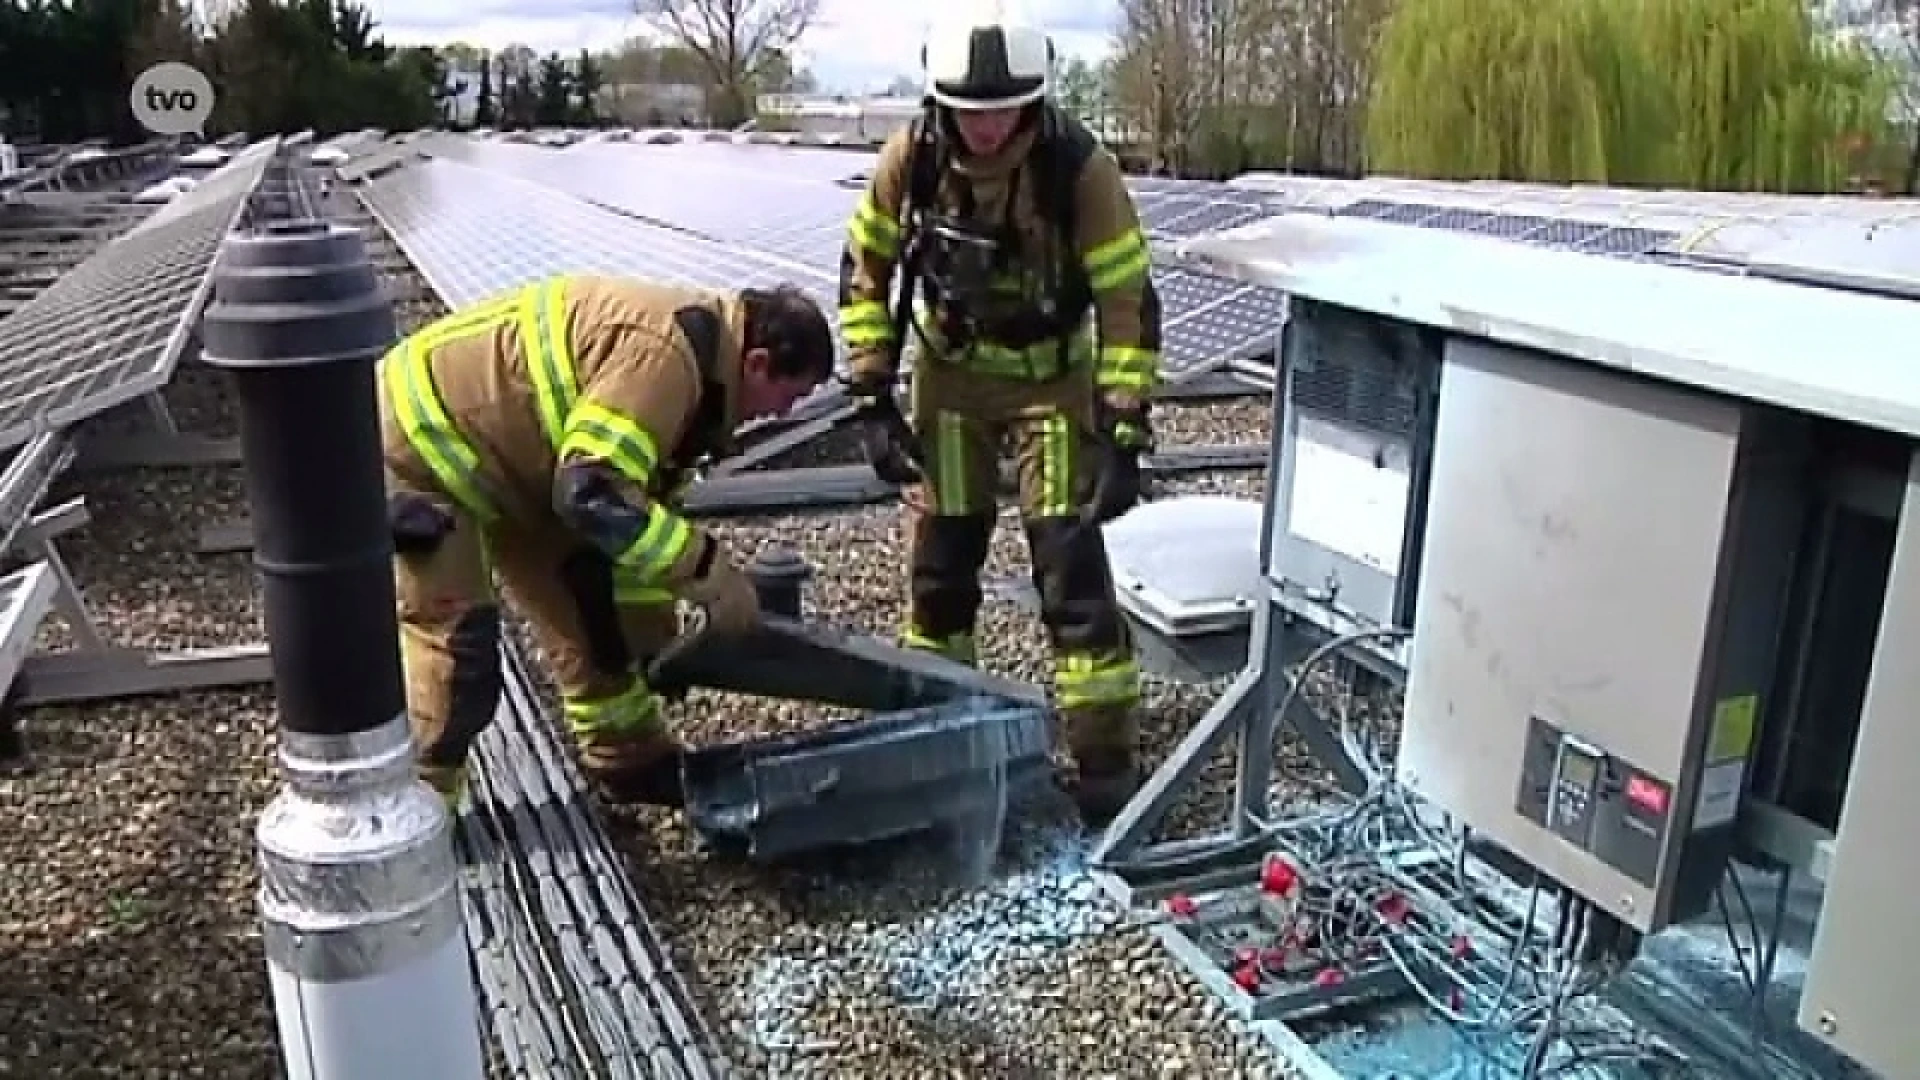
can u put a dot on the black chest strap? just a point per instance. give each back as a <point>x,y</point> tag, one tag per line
<point>707,434</point>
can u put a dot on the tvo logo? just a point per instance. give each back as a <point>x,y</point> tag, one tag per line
<point>172,98</point>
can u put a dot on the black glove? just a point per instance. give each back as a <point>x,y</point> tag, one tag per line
<point>886,439</point>
<point>1121,435</point>
<point>419,525</point>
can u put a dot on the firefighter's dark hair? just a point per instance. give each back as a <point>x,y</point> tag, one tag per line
<point>788,324</point>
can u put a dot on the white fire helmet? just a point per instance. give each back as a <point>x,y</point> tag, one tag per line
<point>981,55</point>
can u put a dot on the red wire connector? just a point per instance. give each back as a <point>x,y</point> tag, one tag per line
<point>1182,906</point>
<point>1328,978</point>
<point>1278,876</point>
<point>1247,977</point>
<point>1393,909</point>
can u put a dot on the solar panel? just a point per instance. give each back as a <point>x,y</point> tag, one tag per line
<point>687,187</point>
<point>112,328</point>
<point>728,213</point>
<point>1212,216</point>
<point>1216,319</point>
<point>474,233</point>
<point>1593,237</point>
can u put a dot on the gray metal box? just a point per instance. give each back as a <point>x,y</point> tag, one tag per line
<point>1864,975</point>
<point>1600,589</point>
<point>1344,492</point>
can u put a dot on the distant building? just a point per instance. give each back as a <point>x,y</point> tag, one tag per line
<point>843,119</point>
<point>872,119</point>
<point>649,105</point>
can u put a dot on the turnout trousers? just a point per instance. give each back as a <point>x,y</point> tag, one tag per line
<point>964,419</point>
<point>595,626</point>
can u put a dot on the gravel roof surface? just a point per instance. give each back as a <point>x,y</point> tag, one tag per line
<point>127,918</point>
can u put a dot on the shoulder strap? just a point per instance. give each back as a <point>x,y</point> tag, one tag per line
<point>1067,146</point>
<point>703,331</point>
<point>925,162</point>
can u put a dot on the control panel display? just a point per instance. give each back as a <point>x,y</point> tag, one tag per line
<point>1594,800</point>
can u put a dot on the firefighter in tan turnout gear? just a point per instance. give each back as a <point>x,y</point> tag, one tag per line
<point>542,436</point>
<point>1011,237</point>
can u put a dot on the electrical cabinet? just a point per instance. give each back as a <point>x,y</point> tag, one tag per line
<point>1864,972</point>
<point>1600,592</point>
<point>1354,419</point>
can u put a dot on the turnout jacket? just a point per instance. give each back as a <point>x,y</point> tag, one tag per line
<point>493,399</point>
<point>1108,247</point>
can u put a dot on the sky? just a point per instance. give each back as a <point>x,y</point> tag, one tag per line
<point>855,45</point>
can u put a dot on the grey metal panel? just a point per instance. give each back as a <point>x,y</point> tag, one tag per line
<point>1342,489</point>
<point>1570,575</point>
<point>113,327</point>
<point>893,774</point>
<point>1825,351</point>
<point>25,596</point>
<point>1864,974</point>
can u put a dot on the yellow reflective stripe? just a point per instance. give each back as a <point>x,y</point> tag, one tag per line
<point>950,464</point>
<point>865,323</point>
<point>1056,467</point>
<point>1127,367</point>
<point>595,431</point>
<point>957,647</point>
<point>407,375</point>
<point>480,318</point>
<point>543,342</point>
<point>874,230</point>
<point>634,711</point>
<point>659,545</point>
<point>634,594</point>
<point>1118,262</point>
<point>633,589</point>
<point>1005,362</point>
<point>1081,680</point>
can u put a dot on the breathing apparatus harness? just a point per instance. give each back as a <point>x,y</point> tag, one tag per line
<point>952,258</point>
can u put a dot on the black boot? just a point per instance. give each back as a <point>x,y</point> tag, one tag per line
<point>640,774</point>
<point>1104,781</point>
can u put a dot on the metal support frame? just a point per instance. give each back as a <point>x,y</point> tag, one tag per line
<point>94,668</point>
<point>1249,712</point>
<point>157,444</point>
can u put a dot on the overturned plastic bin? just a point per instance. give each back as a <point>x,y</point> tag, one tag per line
<point>955,763</point>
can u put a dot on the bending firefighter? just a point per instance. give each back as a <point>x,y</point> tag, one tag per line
<point>1016,247</point>
<point>544,435</point>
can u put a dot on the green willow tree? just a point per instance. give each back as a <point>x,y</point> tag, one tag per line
<point>1704,94</point>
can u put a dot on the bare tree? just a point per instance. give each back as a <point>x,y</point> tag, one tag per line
<point>1221,86</point>
<point>1890,30</point>
<point>1160,74</point>
<point>1901,48</point>
<point>736,41</point>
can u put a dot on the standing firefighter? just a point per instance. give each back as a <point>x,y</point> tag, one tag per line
<point>544,434</point>
<point>1017,250</point>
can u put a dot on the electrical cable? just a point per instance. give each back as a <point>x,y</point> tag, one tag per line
<point>1383,878</point>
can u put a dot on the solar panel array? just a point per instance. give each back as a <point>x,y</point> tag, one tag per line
<point>474,233</point>
<point>112,328</point>
<point>1535,229</point>
<point>790,207</point>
